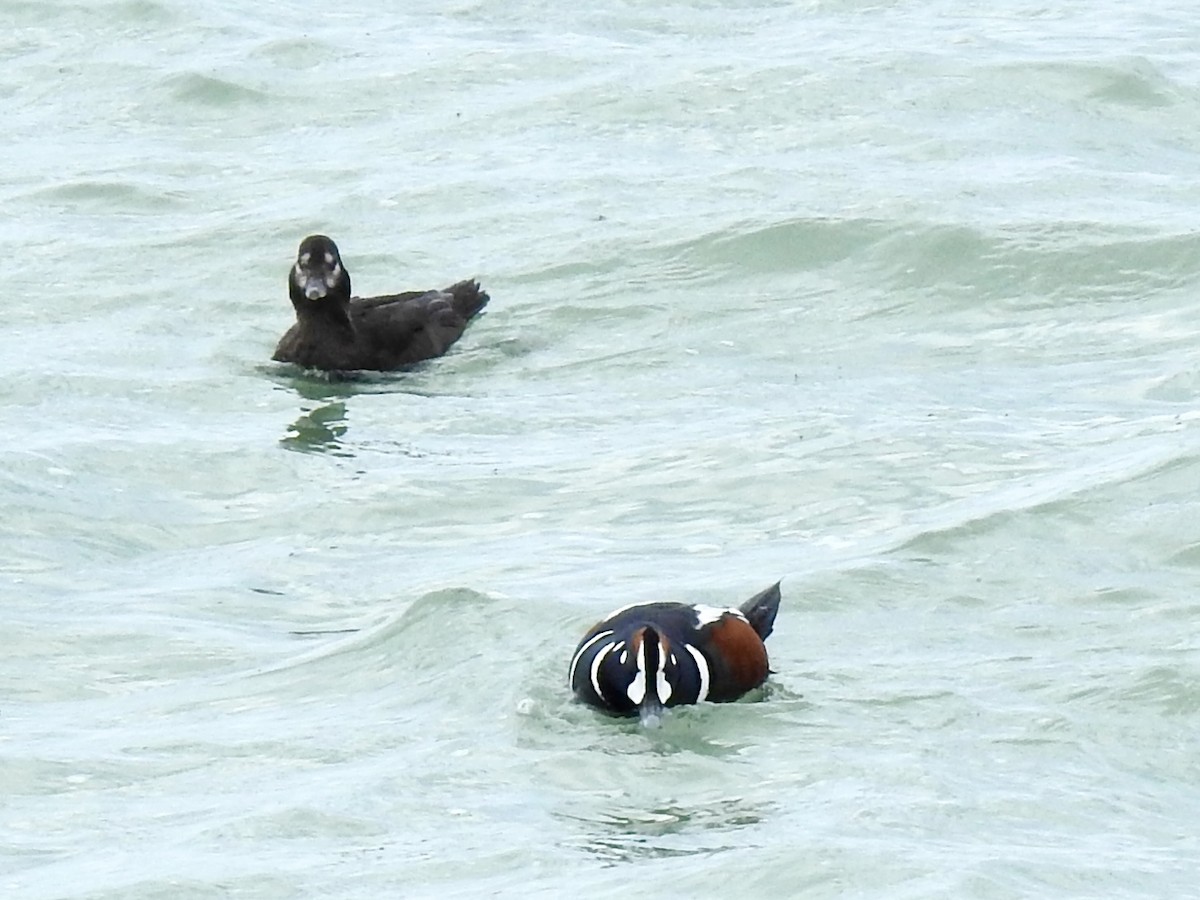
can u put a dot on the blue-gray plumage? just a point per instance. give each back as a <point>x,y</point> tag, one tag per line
<point>642,658</point>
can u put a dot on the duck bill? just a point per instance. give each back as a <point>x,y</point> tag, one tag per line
<point>315,287</point>
<point>651,712</point>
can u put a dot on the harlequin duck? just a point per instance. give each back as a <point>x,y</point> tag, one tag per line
<point>336,332</point>
<point>647,656</point>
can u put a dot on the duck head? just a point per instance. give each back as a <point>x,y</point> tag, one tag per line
<point>636,678</point>
<point>650,688</point>
<point>318,273</point>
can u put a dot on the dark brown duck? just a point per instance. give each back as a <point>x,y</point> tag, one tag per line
<point>337,332</point>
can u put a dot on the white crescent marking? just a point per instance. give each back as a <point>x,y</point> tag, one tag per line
<point>583,649</point>
<point>595,673</point>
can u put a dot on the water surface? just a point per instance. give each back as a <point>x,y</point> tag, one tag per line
<point>896,302</point>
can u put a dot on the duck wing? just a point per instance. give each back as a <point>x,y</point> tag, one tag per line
<point>399,329</point>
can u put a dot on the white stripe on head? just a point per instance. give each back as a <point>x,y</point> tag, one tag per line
<point>582,650</point>
<point>637,687</point>
<point>664,686</point>
<point>702,665</point>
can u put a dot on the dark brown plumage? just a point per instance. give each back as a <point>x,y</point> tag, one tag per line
<point>337,332</point>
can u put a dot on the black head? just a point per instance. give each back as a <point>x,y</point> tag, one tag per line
<point>628,665</point>
<point>650,679</point>
<point>318,273</point>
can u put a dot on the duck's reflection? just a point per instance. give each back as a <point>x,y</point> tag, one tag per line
<point>322,424</point>
<point>318,430</point>
<point>324,404</point>
<point>626,835</point>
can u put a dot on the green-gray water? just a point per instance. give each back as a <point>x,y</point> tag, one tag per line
<point>896,302</point>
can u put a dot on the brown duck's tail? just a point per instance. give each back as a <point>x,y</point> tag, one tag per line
<point>469,299</point>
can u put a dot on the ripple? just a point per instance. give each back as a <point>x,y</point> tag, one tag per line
<point>112,196</point>
<point>209,91</point>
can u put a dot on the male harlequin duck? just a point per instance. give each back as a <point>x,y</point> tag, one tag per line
<point>335,332</point>
<point>644,657</point>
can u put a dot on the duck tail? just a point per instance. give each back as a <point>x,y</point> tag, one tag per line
<point>760,610</point>
<point>469,298</point>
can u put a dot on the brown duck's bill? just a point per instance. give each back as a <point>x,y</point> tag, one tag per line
<point>315,287</point>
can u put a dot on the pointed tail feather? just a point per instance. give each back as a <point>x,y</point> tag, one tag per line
<point>469,299</point>
<point>760,610</point>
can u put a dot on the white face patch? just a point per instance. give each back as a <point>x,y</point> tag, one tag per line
<point>301,274</point>
<point>702,665</point>
<point>582,650</point>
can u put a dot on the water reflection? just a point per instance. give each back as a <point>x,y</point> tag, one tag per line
<point>318,430</point>
<point>325,401</point>
<point>628,834</point>
<point>323,420</point>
